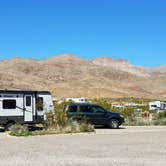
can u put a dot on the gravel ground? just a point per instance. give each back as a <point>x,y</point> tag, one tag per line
<point>130,146</point>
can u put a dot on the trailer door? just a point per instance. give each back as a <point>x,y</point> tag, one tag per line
<point>28,108</point>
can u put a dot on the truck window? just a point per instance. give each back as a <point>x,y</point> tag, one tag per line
<point>85,108</point>
<point>98,109</point>
<point>73,108</point>
<point>9,104</point>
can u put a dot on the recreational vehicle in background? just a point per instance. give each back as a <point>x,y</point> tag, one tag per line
<point>157,105</point>
<point>24,107</point>
<point>77,100</point>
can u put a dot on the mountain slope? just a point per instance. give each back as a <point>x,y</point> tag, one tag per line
<point>68,75</point>
<point>120,64</point>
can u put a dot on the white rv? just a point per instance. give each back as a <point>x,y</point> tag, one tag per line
<point>77,100</point>
<point>157,105</point>
<point>24,106</point>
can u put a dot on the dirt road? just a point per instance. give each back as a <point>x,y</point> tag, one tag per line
<point>132,146</point>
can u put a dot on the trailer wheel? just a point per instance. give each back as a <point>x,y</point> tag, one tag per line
<point>9,125</point>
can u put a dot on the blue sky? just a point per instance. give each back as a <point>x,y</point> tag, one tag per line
<point>128,29</point>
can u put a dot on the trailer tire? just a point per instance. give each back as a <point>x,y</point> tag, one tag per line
<point>9,125</point>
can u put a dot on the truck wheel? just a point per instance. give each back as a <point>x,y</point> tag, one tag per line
<point>9,125</point>
<point>114,124</point>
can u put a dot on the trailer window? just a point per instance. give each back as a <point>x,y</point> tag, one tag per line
<point>9,104</point>
<point>28,101</point>
<point>39,104</point>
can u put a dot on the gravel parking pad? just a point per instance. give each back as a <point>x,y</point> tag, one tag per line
<point>135,146</point>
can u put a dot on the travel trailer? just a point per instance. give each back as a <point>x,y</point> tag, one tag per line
<point>157,105</point>
<point>77,100</point>
<point>24,107</point>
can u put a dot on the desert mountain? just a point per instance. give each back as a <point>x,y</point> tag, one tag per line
<point>156,71</point>
<point>121,65</point>
<point>68,75</point>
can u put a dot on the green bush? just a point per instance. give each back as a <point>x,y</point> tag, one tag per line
<point>76,127</point>
<point>160,118</point>
<point>57,122</point>
<point>142,122</point>
<point>162,114</point>
<point>57,118</point>
<point>128,112</point>
<point>60,121</point>
<point>19,130</point>
<point>86,127</point>
<point>161,122</point>
<point>138,122</point>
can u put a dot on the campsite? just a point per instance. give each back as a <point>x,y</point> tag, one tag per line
<point>82,83</point>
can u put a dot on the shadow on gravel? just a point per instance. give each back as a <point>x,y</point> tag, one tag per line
<point>104,127</point>
<point>33,128</point>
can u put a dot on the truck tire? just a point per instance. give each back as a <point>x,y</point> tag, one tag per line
<point>114,124</point>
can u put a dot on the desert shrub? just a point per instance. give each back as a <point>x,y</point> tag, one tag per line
<point>162,115</point>
<point>130,121</point>
<point>156,123</point>
<point>160,118</point>
<point>130,117</point>
<point>161,121</point>
<point>128,112</point>
<point>59,121</point>
<point>76,127</point>
<point>130,99</point>
<point>72,126</point>
<point>56,122</point>
<point>50,120</point>
<point>19,130</point>
<point>57,118</point>
<point>143,122</point>
<point>138,122</point>
<point>85,126</point>
<point>103,103</point>
<point>61,118</point>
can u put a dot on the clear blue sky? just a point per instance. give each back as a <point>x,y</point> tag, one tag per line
<point>129,29</point>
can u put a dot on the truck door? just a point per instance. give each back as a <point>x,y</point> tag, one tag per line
<point>28,108</point>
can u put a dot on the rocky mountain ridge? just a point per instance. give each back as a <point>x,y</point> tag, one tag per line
<point>68,75</point>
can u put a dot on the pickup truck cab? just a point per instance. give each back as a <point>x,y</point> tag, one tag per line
<point>95,114</point>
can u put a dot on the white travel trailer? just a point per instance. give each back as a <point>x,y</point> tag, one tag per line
<point>157,105</point>
<point>24,107</point>
<point>77,100</point>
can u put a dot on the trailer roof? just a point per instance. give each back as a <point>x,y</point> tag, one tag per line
<point>24,91</point>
